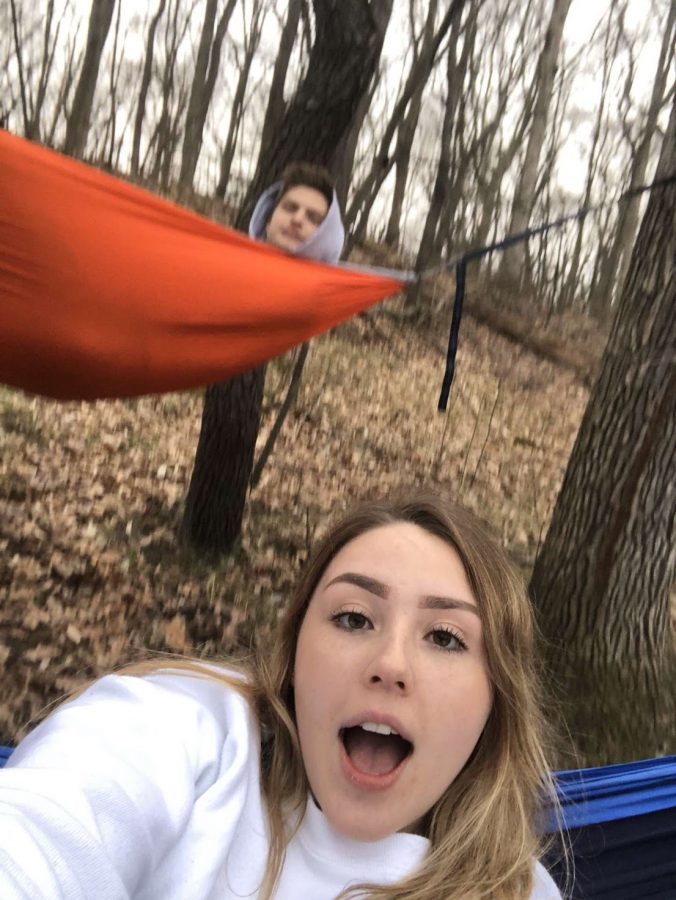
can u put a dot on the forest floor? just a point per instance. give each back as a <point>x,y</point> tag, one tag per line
<point>91,571</point>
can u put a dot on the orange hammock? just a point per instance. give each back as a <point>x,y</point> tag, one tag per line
<point>109,291</point>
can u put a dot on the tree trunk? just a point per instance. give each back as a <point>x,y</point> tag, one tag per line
<point>252,39</point>
<point>274,112</point>
<point>341,66</point>
<point>67,77</point>
<point>19,65</point>
<point>204,79</point>
<point>78,122</point>
<point>223,462</point>
<point>48,50</point>
<point>601,582</point>
<point>513,260</point>
<point>145,84</point>
<point>382,11</point>
<point>454,80</point>
<point>402,156</point>
<point>107,159</point>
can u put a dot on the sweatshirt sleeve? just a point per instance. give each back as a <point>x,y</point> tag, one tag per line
<point>94,797</point>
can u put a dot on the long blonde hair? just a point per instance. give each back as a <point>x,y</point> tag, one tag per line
<point>485,831</point>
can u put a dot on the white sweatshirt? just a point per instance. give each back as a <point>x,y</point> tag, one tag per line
<point>148,788</point>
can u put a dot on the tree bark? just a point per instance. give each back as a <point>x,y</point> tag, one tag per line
<point>341,65</point>
<point>382,11</point>
<point>513,260</point>
<point>78,122</point>
<point>601,582</point>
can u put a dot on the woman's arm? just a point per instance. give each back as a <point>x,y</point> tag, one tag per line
<point>94,798</point>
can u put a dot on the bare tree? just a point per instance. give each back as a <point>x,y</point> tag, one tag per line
<point>493,146</point>
<point>513,260</point>
<point>382,11</point>
<point>100,18</point>
<point>20,67</point>
<point>407,128</point>
<point>252,37</point>
<point>61,105</point>
<point>617,260</point>
<point>360,207</point>
<point>456,67</point>
<point>164,139</point>
<point>145,84</point>
<point>601,582</point>
<point>110,134</point>
<point>341,64</point>
<point>33,96</point>
<point>202,89</point>
<point>610,45</point>
<point>274,112</point>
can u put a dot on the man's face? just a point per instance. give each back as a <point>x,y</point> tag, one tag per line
<point>298,214</point>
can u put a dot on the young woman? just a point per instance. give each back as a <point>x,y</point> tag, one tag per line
<point>388,745</point>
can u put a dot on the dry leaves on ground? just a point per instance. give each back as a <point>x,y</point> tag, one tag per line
<point>91,573</point>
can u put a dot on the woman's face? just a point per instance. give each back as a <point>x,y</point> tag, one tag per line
<point>391,643</point>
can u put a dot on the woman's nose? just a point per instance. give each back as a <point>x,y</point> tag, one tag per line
<point>390,666</point>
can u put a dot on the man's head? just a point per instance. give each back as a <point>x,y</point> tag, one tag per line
<point>303,203</point>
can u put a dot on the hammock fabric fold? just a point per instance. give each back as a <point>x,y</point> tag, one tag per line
<point>109,291</point>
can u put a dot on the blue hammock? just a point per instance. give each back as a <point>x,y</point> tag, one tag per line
<point>621,824</point>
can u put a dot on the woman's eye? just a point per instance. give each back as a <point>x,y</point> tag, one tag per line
<point>351,621</point>
<point>447,640</point>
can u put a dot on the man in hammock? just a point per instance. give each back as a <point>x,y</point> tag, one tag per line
<point>300,214</point>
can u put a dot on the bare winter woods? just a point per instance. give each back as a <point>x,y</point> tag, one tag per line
<point>481,117</point>
<point>448,124</point>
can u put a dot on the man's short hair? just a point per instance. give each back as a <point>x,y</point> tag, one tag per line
<point>308,175</point>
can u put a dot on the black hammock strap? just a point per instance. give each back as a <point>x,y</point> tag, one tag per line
<point>460,264</point>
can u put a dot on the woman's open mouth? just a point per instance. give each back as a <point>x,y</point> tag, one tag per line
<point>373,755</point>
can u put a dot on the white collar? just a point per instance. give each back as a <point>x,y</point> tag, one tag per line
<point>398,854</point>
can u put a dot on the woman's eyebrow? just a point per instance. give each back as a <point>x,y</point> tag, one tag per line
<point>376,587</point>
<point>362,581</point>
<point>447,603</point>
